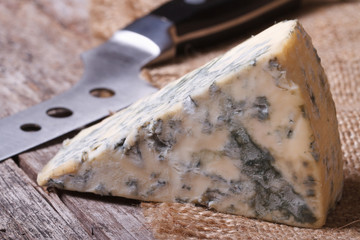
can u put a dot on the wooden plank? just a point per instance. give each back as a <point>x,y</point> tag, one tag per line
<point>103,217</point>
<point>71,14</point>
<point>109,216</point>
<point>39,58</point>
<point>24,213</point>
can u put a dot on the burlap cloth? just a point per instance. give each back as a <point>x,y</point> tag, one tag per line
<point>335,30</point>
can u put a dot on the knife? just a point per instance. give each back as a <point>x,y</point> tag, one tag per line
<point>111,79</point>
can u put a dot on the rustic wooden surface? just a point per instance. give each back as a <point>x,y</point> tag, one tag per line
<point>40,44</point>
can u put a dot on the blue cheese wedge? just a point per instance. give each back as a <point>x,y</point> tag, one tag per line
<point>253,133</point>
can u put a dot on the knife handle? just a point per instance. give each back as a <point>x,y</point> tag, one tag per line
<point>180,23</point>
<point>198,22</point>
<point>206,19</point>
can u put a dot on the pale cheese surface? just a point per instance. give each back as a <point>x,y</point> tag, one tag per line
<point>253,133</point>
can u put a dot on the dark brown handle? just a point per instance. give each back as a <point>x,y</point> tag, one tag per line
<point>199,21</point>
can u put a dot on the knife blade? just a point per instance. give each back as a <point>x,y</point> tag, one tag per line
<point>111,79</point>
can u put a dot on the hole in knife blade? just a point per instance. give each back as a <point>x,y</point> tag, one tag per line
<point>102,92</point>
<point>59,112</point>
<point>30,127</point>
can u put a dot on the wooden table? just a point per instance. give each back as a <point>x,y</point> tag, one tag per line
<point>40,44</point>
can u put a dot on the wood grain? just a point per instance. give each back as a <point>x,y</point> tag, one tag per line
<point>109,216</point>
<point>24,213</point>
<point>102,217</point>
<point>40,58</point>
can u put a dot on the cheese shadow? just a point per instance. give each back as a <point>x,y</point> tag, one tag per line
<point>66,196</point>
<point>348,209</point>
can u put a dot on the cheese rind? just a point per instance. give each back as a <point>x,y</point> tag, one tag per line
<point>253,133</point>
